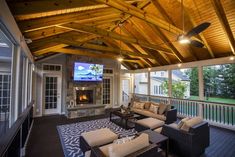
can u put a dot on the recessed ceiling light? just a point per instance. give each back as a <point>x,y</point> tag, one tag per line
<point>149,69</point>
<point>179,65</point>
<point>231,58</point>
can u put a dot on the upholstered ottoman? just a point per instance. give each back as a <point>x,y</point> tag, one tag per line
<point>96,138</point>
<point>148,123</point>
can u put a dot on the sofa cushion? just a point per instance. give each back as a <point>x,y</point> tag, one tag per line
<point>191,122</point>
<point>181,123</point>
<point>158,130</point>
<point>105,136</point>
<point>151,123</point>
<point>121,150</point>
<point>138,105</point>
<point>154,115</point>
<point>153,108</point>
<point>162,108</point>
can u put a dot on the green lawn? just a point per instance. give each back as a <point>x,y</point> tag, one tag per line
<point>214,99</point>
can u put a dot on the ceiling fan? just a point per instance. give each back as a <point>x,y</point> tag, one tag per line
<point>185,38</point>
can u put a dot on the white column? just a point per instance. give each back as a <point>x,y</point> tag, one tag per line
<point>170,83</point>
<point>201,89</point>
<point>201,82</point>
<point>149,85</point>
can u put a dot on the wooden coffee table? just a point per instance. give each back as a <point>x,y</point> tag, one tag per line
<point>125,120</point>
<point>157,138</point>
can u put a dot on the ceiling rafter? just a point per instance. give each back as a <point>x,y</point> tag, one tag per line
<point>143,33</point>
<point>88,16</point>
<point>100,48</point>
<point>103,32</point>
<point>218,7</point>
<point>129,9</point>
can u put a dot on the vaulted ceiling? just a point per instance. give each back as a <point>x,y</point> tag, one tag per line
<point>144,32</point>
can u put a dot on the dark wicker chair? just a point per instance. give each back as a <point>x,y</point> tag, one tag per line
<point>150,151</point>
<point>188,144</point>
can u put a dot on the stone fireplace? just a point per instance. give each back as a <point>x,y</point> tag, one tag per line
<point>84,95</point>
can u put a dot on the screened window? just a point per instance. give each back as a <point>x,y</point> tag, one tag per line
<point>159,83</point>
<point>219,83</point>
<point>141,83</point>
<point>185,83</point>
<point>6,48</point>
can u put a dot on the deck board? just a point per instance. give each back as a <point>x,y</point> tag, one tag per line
<point>44,140</point>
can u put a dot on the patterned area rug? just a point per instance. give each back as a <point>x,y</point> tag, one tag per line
<point>69,134</point>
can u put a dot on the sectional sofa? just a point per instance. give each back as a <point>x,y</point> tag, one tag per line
<point>164,112</point>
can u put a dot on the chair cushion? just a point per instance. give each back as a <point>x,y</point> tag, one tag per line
<point>121,150</point>
<point>153,108</point>
<point>99,137</point>
<point>181,123</point>
<point>162,108</point>
<point>151,123</point>
<point>191,122</point>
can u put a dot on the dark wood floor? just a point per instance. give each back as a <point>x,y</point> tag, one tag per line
<point>44,139</point>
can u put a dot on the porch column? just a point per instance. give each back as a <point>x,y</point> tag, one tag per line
<point>201,83</point>
<point>149,85</point>
<point>170,83</point>
<point>201,89</point>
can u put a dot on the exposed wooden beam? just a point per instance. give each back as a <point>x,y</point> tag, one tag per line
<point>48,44</point>
<point>39,7</point>
<point>82,17</point>
<point>105,33</point>
<point>224,23</point>
<point>144,34</point>
<point>140,5</point>
<point>148,17</point>
<point>100,48</point>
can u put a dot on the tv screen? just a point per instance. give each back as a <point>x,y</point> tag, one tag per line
<point>87,72</point>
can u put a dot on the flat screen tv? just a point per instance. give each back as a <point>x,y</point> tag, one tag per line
<point>87,72</point>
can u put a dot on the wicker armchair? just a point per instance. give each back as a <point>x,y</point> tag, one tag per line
<point>188,144</point>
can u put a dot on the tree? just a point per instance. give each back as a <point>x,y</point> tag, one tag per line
<point>178,88</point>
<point>193,76</point>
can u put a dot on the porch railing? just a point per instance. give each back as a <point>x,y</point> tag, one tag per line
<point>218,114</point>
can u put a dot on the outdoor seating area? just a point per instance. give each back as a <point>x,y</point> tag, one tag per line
<point>117,78</point>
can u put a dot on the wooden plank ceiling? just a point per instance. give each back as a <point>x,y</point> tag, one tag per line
<point>144,32</point>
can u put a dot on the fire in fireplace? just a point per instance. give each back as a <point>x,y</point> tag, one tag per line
<point>84,96</point>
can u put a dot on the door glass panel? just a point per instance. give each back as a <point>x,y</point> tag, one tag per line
<point>106,91</point>
<point>51,92</point>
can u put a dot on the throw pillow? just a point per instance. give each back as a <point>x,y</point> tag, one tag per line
<point>181,123</point>
<point>153,109</point>
<point>139,105</point>
<point>190,123</point>
<point>119,150</point>
<point>147,105</point>
<point>162,108</point>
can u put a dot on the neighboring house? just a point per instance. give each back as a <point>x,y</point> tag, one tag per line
<point>157,78</point>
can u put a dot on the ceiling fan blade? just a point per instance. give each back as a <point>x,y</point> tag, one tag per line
<point>196,43</point>
<point>198,29</point>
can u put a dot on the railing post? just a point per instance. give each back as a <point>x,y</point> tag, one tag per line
<point>200,109</point>
<point>170,83</point>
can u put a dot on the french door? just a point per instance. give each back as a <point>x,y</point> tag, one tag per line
<point>52,94</point>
